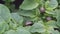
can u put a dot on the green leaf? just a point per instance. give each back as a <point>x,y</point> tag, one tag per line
<point>50,5</point>
<point>5,13</point>
<point>51,23</point>
<point>58,18</point>
<point>10,32</point>
<point>22,31</point>
<point>53,13</point>
<point>16,18</point>
<point>48,30</point>
<point>37,27</point>
<point>55,32</point>
<point>2,25</point>
<point>12,25</point>
<point>6,26</point>
<point>29,5</point>
<point>28,28</point>
<point>27,13</point>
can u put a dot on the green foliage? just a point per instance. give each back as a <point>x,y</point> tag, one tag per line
<point>13,21</point>
<point>32,5</point>
<point>51,4</point>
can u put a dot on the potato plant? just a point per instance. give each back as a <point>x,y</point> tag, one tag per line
<point>30,17</point>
